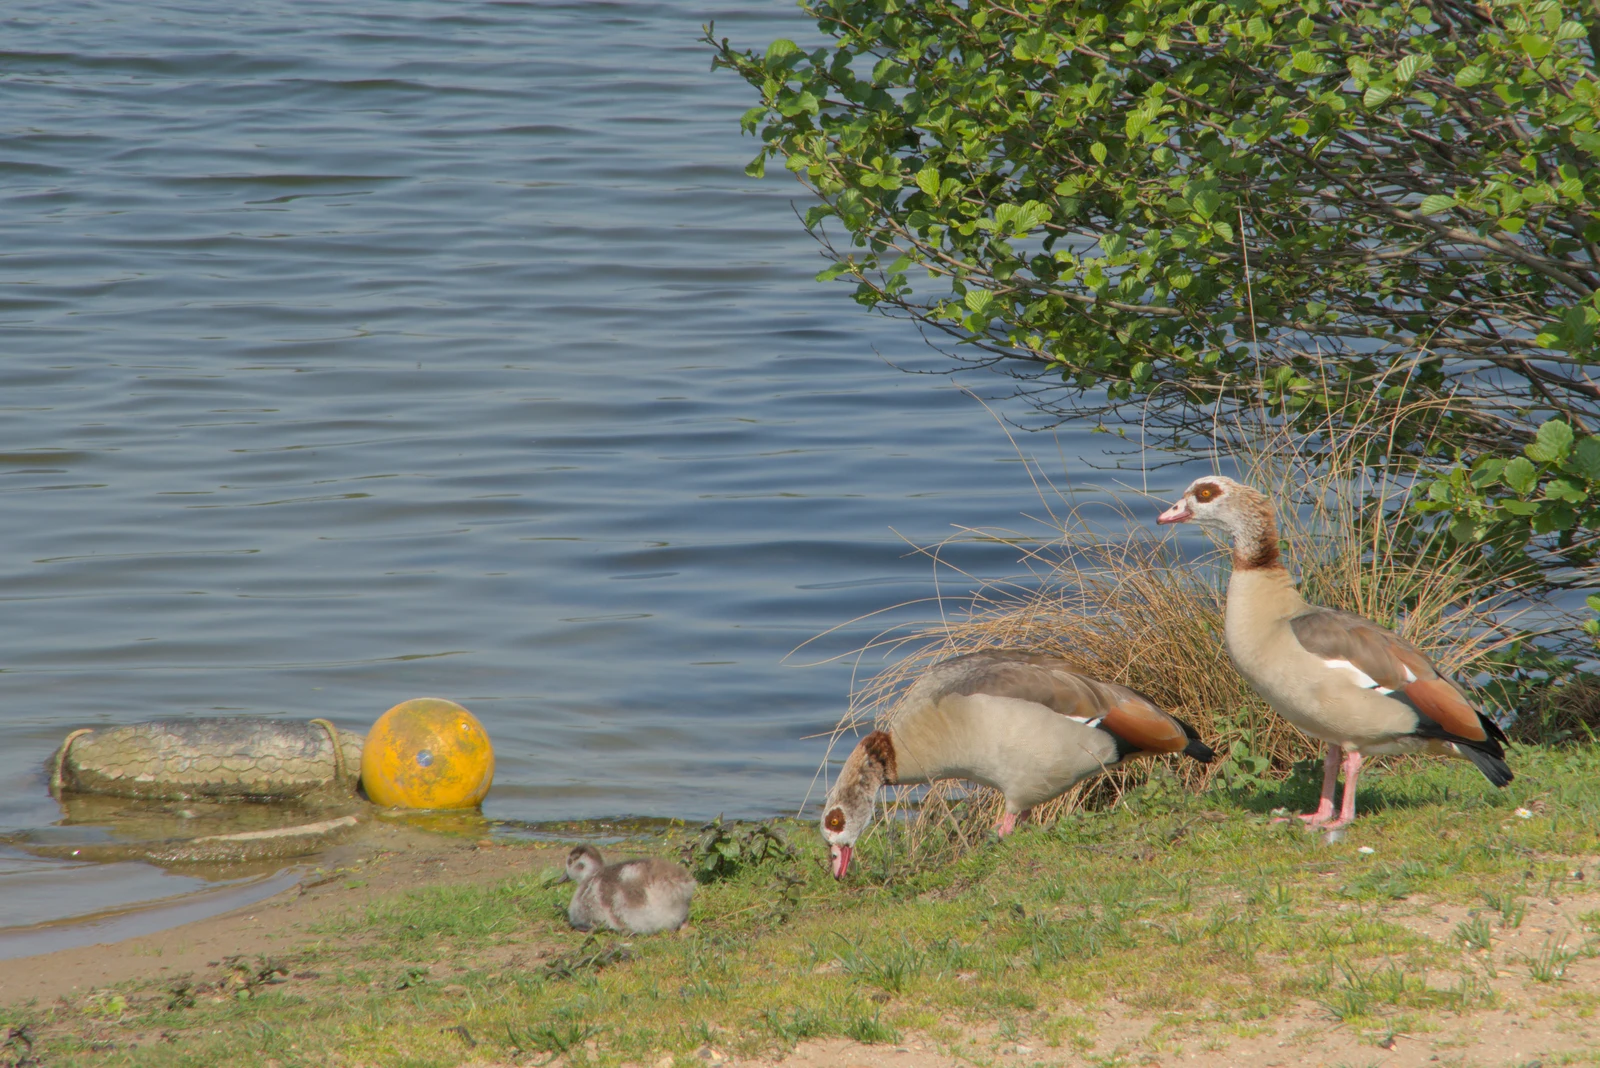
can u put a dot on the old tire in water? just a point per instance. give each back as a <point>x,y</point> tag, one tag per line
<point>244,758</point>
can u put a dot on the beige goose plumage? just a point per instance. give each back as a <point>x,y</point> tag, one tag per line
<point>1360,688</point>
<point>643,896</point>
<point>1025,724</point>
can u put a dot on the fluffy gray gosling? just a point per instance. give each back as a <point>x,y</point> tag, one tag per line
<point>639,896</point>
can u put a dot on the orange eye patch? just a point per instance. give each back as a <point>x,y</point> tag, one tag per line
<point>835,820</point>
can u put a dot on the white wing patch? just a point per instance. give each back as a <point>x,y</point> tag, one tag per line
<point>1087,722</point>
<point>1361,678</point>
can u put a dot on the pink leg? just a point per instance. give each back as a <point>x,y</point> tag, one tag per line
<point>1330,783</point>
<point>1009,823</point>
<point>1347,811</point>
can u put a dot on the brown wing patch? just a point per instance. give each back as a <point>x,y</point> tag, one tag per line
<point>1443,703</point>
<point>880,748</point>
<point>1145,726</point>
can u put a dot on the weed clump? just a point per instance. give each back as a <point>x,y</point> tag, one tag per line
<point>723,850</point>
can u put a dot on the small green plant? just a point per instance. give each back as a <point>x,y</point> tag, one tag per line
<point>106,1004</point>
<point>181,993</point>
<point>1550,965</point>
<point>589,957</point>
<point>871,1030</point>
<point>1243,771</point>
<point>796,1024</point>
<point>412,977</point>
<point>891,969</point>
<point>1508,905</point>
<point>556,1038</point>
<point>1386,881</point>
<point>1474,934</point>
<point>722,850</point>
<point>243,978</point>
<point>18,1046</point>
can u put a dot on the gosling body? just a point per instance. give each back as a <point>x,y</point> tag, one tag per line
<point>640,896</point>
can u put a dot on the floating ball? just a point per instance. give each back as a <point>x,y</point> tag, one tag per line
<point>427,753</point>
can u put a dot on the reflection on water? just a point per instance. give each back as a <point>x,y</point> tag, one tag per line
<point>366,352</point>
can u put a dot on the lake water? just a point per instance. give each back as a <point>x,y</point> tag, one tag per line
<point>357,352</point>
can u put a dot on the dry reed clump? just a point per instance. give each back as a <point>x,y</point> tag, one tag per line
<point>1125,605</point>
<point>1567,713</point>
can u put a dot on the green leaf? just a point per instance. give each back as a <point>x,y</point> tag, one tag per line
<point>1552,444</point>
<point>1098,151</point>
<point>1375,96</point>
<point>1522,508</point>
<point>1585,459</point>
<point>1308,62</point>
<point>1559,489</point>
<point>757,167</point>
<point>1409,67</point>
<point>1520,475</point>
<point>928,181</point>
<point>978,299</point>
<point>1436,203</point>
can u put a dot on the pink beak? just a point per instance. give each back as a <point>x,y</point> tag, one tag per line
<point>841,860</point>
<point>1178,513</point>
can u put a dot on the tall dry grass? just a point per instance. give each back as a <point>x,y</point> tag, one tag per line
<point>1114,595</point>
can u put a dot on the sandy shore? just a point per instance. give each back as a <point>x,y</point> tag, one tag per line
<point>387,859</point>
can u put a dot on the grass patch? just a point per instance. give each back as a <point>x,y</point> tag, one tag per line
<point>1192,909</point>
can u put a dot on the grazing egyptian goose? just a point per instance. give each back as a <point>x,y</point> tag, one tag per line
<point>642,896</point>
<point>1360,688</point>
<point>1025,724</point>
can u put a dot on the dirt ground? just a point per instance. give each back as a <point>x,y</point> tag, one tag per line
<point>1546,1024</point>
<point>388,860</point>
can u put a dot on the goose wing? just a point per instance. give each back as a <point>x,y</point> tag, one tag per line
<point>1053,683</point>
<point>1375,658</point>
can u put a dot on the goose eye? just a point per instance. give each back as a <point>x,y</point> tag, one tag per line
<point>835,820</point>
<point>1206,492</point>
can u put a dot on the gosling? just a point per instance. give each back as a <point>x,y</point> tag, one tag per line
<point>640,896</point>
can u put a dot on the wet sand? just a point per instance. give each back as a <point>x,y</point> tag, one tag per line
<point>388,859</point>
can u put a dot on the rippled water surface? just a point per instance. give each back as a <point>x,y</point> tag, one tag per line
<point>356,352</point>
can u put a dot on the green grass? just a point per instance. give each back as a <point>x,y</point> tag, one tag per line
<point>1195,911</point>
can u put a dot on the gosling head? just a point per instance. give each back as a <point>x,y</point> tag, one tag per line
<point>850,804</point>
<point>583,863</point>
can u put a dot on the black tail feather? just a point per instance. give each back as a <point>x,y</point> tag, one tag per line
<point>1493,729</point>
<point>1196,749</point>
<point>1494,769</point>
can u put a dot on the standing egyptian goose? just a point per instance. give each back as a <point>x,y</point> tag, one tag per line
<point>1026,725</point>
<point>1340,678</point>
<point>643,896</point>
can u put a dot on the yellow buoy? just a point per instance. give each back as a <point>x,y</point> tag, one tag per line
<point>427,753</point>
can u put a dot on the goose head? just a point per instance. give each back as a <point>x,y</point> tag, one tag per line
<point>851,802</point>
<point>583,863</point>
<point>1234,512</point>
<point>844,817</point>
